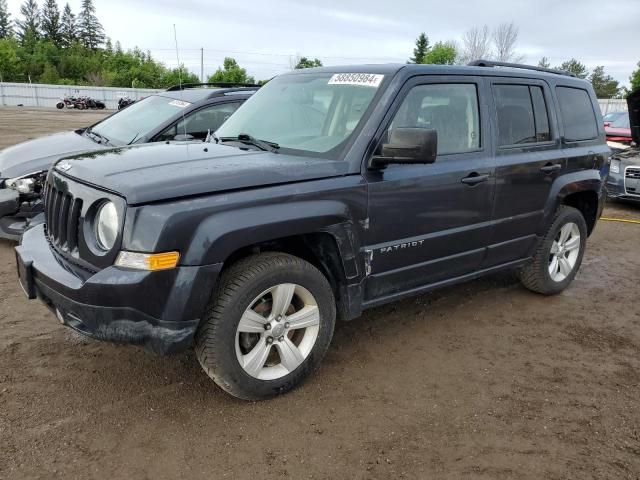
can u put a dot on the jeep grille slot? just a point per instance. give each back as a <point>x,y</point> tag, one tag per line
<point>62,216</point>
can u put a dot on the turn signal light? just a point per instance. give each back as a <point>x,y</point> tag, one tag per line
<point>148,261</point>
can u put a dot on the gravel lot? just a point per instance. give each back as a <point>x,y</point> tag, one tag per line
<point>483,380</point>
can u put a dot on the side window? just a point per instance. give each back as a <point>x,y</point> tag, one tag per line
<point>577,114</point>
<point>450,109</point>
<point>198,123</point>
<point>543,132</point>
<point>522,115</point>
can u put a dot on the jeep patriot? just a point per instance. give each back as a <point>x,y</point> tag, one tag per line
<point>330,191</point>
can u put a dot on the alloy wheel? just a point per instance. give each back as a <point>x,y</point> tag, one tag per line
<point>277,331</point>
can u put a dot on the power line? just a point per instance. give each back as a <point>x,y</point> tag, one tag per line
<point>288,55</point>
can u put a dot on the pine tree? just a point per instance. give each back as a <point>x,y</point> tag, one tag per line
<point>544,63</point>
<point>90,30</point>
<point>29,28</point>
<point>575,67</point>
<point>421,50</point>
<point>68,31</point>
<point>51,22</point>
<point>604,85</point>
<point>6,28</point>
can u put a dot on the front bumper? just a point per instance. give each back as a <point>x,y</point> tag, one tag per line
<point>159,311</point>
<point>619,188</point>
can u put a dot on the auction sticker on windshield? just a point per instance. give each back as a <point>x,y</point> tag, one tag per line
<point>366,79</point>
<point>179,103</point>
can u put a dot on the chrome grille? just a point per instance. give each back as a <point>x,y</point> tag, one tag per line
<point>633,172</point>
<point>62,214</point>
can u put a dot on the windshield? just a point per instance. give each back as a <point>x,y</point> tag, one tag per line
<point>315,113</point>
<point>621,122</point>
<point>139,119</point>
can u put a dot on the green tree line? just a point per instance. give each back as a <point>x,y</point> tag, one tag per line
<point>501,45</point>
<point>49,46</point>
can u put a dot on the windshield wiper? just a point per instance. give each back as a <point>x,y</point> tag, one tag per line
<point>256,142</point>
<point>212,136</point>
<point>100,138</point>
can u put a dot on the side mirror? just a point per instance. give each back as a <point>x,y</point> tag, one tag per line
<point>183,137</point>
<point>408,146</point>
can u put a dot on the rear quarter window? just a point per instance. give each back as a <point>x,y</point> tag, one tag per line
<point>576,111</point>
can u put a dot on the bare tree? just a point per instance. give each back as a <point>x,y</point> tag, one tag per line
<point>476,44</point>
<point>505,38</point>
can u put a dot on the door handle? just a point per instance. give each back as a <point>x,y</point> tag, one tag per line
<point>550,168</point>
<point>475,178</point>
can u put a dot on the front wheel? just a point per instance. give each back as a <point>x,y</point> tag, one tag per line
<point>60,105</point>
<point>268,326</point>
<point>559,254</point>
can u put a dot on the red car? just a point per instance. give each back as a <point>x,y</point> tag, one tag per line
<point>619,129</point>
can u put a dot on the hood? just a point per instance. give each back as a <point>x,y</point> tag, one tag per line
<point>633,101</point>
<point>39,154</point>
<point>159,171</point>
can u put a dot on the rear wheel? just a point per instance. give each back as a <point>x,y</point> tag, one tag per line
<point>559,254</point>
<point>268,327</point>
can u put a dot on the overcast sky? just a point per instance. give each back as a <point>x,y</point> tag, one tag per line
<point>265,35</point>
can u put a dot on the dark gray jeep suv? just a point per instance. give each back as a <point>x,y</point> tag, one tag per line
<point>330,191</point>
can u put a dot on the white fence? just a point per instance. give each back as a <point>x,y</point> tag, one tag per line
<point>39,95</point>
<point>612,105</point>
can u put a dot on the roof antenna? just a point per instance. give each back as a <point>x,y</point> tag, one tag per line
<point>184,123</point>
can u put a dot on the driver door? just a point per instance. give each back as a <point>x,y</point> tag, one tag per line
<point>430,223</point>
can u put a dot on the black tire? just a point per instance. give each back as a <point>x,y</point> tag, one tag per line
<point>215,340</point>
<point>535,275</point>
<point>60,105</point>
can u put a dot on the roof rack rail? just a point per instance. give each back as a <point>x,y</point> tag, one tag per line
<point>491,63</point>
<point>183,86</point>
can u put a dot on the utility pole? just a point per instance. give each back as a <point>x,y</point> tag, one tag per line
<point>202,65</point>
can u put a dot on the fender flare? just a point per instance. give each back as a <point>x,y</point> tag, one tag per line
<point>565,185</point>
<point>217,237</point>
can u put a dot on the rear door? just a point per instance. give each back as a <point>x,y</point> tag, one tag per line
<point>430,223</point>
<point>528,160</point>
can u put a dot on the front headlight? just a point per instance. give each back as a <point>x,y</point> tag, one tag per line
<point>106,225</point>
<point>615,166</point>
<point>21,184</point>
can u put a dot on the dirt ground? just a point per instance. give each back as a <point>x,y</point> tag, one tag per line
<point>484,380</point>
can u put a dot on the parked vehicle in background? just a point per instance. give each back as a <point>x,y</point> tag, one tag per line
<point>331,191</point>
<point>92,103</point>
<point>611,116</point>
<point>619,129</point>
<point>623,182</point>
<point>81,103</point>
<point>67,101</point>
<point>179,113</point>
<point>124,102</point>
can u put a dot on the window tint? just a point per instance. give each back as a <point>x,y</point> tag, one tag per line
<point>522,114</point>
<point>450,109</point>
<point>578,117</point>
<point>198,123</point>
<point>543,133</point>
<point>516,124</point>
